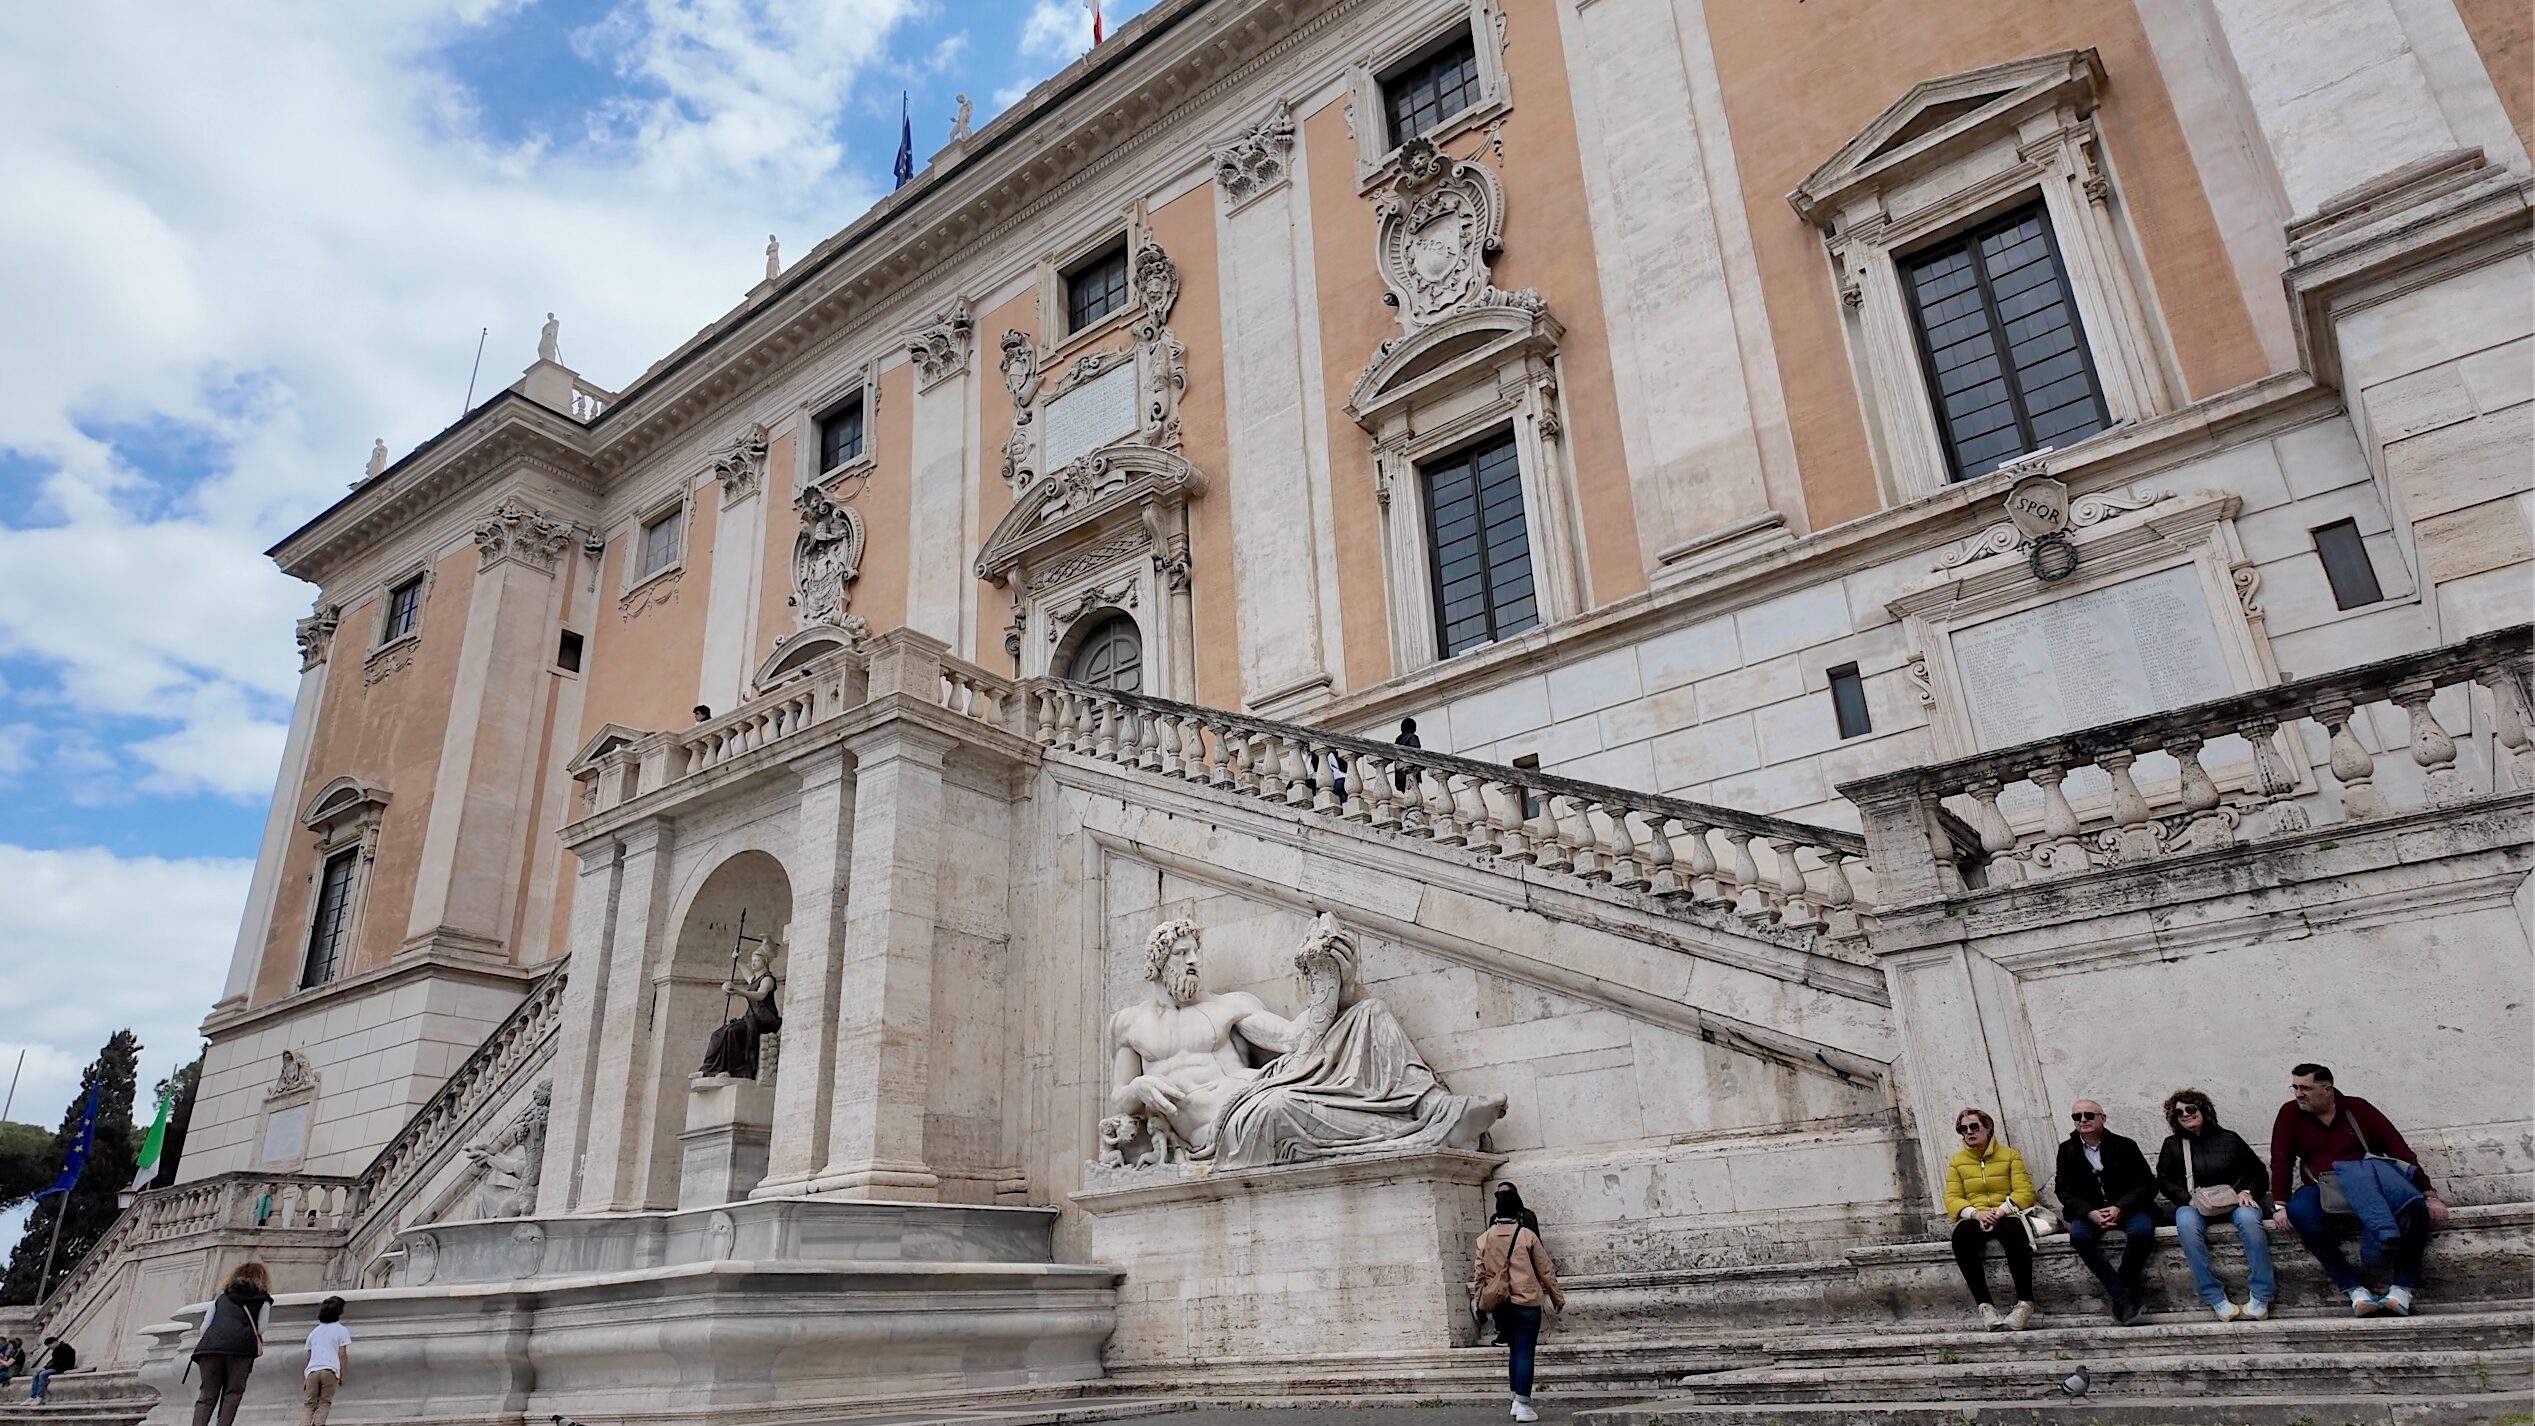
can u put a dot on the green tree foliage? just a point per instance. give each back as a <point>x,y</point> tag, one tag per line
<point>88,1210</point>
<point>180,1117</point>
<point>23,1167</point>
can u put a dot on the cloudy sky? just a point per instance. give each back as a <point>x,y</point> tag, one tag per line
<point>237,241</point>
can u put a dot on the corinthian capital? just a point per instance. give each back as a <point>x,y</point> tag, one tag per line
<point>517,530</point>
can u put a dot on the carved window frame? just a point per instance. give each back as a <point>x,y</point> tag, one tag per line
<point>1891,192</point>
<point>342,817</point>
<point>1426,26</point>
<point>418,573</point>
<point>861,384</point>
<point>633,578</point>
<point>1057,341</point>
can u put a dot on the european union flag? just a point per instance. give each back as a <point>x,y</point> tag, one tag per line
<point>905,168</point>
<point>80,1142</point>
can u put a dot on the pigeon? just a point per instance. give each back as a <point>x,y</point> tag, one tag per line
<point>2076,1382</point>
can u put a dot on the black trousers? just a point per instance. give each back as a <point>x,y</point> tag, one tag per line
<point>1971,1242</point>
<point>223,1383</point>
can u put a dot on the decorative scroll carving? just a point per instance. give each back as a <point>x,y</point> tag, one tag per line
<point>826,556</point>
<point>1020,374</point>
<point>2006,538</point>
<point>1255,162</point>
<point>940,347</point>
<point>1093,558</point>
<point>1439,227</point>
<point>395,656</point>
<point>1156,280</point>
<point>519,531</point>
<point>316,634</point>
<point>650,595</point>
<point>1118,596</point>
<point>741,465</point>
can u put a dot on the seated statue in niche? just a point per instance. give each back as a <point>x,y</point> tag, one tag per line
<point>1222,1079</point>
<point>734,1047</point>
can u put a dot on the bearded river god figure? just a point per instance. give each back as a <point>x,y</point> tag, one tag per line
<point>1223,1079</point>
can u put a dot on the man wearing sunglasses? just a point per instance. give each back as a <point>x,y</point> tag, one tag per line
<point>2106,1186</point>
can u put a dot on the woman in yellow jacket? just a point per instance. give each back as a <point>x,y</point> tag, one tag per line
<point>1985,1187</point>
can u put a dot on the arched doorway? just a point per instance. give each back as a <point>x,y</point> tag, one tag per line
<point>1110,655</point>
<point>746,895</point>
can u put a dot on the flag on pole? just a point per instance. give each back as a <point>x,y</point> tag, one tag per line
<point>905,167</point>
<point>81,1140</point>
<point>1094,7</point>
<point>147,1169</point>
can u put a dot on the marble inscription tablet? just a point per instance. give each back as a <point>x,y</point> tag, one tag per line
<point>2122,651</point>
<point>1091,415</point>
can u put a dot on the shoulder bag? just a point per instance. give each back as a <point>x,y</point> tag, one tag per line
<point>2212,1202</point>
<point>1496,1288</point>
<point>2328,1192</point>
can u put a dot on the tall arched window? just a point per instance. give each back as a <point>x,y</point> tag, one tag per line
<point>1111,656</point>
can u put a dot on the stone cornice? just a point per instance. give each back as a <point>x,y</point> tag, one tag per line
<point>438,966</point>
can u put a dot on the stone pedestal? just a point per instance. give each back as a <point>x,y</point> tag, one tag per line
<point>722,1153</point>
<point>1352,1255</point>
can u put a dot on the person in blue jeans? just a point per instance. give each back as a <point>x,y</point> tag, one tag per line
<point>58,1358</point>
<point>2105,1186</point>
<point>1511,1279</point>
<point>2212,1175</point>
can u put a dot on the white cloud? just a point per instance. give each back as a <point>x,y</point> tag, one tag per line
<point>95,943</point>
<point>263,232</point>
<point>1058,30</point>
<point>17,747</point>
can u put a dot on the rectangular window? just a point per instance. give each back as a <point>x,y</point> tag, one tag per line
<point>568,652</point>
<point>1848,701</point>
<point>1419,94</point>
<point>2346,564</point>
<point>404,610</point>
<point>326,932</point>
<point>1481,546</point>
<point>2006,359</point>
<point>664,539</point>
<point>840,435</point>
<point>1095,287</point>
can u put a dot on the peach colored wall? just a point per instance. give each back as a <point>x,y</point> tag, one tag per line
<point>1353,322</point>
<point>2504,32</point>
<point>880,594</point>
<point>774,599</point>
<point>1549,245</point>
<point>1185,227</point>
<point>641,671</point>
<point>388,733</point>
<point>994,498</point>
<point>1846,60</point>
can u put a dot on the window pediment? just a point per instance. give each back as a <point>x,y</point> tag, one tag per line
<point>607,739</point>
<point>1938,119</point>
<point>347,803</point>
<point>1475,343</point>
<point>1069,508</point>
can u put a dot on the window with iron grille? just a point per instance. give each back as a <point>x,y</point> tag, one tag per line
<point>2005,356</point>
<point>1111,656</point>
<point>664,539</point>
<point>404,610</point>
<point>840,435</point>
<point>1095,287</point>
<point>1481,546</point>
<point>1423,92</point>
<point>326,933</point>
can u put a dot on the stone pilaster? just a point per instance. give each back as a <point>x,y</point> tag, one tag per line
<point>941,594</point>
<point>579,1038</point>
<point>255,929</point>
<point>613,1168</point>
<point>804,1098</point>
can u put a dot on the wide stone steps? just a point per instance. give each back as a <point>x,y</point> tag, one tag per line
<point>2330,1409</point>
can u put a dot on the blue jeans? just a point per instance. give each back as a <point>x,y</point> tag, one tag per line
<point>35,1389</point>
<point>1519,1328</point>
<point>2192,1228</point>
<point>2316,1231</point>
<point>2138,1234</point>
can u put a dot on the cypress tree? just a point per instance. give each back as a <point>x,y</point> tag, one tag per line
<point>88,1210</point>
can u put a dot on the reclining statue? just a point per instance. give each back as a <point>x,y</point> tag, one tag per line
<point>1222,1079</point>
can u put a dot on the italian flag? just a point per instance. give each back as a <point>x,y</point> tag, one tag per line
<point>148,1167</point>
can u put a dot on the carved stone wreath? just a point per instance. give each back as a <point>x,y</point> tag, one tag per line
<point>1254,162</point>
<point>826,556</point>
<point>1439,227</point>
<point>741,465</point>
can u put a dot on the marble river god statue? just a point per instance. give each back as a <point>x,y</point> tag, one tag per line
<point>1223,1079</point>
<point>733,1048</point>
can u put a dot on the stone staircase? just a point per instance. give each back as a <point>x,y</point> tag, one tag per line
<point>84,1398</point>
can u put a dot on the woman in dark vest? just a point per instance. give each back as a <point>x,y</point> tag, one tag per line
<point>232,1338</point>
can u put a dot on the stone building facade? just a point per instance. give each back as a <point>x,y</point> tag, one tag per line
<point>1679,435</point>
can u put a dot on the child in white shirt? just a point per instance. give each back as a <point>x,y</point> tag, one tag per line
<point>329,1355</point>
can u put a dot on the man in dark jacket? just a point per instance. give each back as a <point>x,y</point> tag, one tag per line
<point>2319,1128</point>
<point>2105,1185</point>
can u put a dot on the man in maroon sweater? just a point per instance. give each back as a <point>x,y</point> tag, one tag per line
<point>2318,1128</point>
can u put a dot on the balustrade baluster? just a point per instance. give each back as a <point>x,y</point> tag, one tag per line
<point>1663,875</point>
<point>2065,852</point>
<point>1796,910</point>
<point>2205,829</point>
<point>1574,817</point>
<point>1441,814</point>
<point>1553,846</point>
<point>2510,725</point>
<point>2134,835</point>
<point>1354,805</point>
<point>2432,747</point>
<point>1997,839</point>
<point>1166,744</point>
<point>1148,740</point>
<point>1326,777</point>
<point>1625,870</point>
<point>1513,829</point>
<point>1470,812</point>
<point>1839,898</point>
<point>1302,772</point>
<point>1705,886</point>
<point>2271,777</point>
<point>1194,764</point>
<point>1751,901</point>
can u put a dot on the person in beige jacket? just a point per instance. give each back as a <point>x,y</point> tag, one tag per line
<point>1511,1278</point>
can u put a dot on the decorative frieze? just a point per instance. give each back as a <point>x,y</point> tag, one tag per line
<point>1257,161</point>
<point>940,347</point>
<point>517,530</point>
<point>741,465</point>
<point>826,556</point>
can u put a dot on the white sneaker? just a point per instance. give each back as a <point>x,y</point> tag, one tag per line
<point>2256,1311</point>
<point>2362,1304</point>
<point>2019,1316</point>
<point>2397,1300</point>
<point>1990,1321</point>
<point>1523,1410</point>
<point>2227,1311</point>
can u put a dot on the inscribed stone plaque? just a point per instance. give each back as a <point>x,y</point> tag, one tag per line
<point>1091,415</point>
<point>2142,646</point>
<point>285,1135</point>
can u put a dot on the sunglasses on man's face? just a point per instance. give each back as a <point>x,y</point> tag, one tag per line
<point>2085,1118</point>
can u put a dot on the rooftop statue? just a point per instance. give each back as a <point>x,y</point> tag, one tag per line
<point>550,340</point>
<point>1222,1078</point>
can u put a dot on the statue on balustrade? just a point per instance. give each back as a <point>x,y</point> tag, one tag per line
<point>512,1159</point>
<point>733,1049</point>
<point>1222,1079</point>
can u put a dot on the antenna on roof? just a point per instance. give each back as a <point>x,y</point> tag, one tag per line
<point>480,334</point>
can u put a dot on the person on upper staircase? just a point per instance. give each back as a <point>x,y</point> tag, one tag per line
<point>1987,1190</point>
<point>2105,1187</point>
<point>2361,1180</point>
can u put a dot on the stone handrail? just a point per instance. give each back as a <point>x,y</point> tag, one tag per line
<point>1915,863</point>
<point>481,1076</point>
<point>232,1202</point>
<point>588,401</point>
<point>746,728</point>
<point>1635,841</point>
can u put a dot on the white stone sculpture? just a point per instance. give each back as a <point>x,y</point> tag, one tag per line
<point>1439,228</point>
<point>741,465</point>
<point>1256,161</point>
<point>959,121</point>
<point>550,341</point>
<point>512,1158</point>
<point>774,257</point>
<point>1341,1079</point>
<point>826,556</point>
<point>378,459</point>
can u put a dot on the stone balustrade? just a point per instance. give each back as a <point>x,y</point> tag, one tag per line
<point>588,401</point>
<point>227,1203</point>
<point>2006,818</point>
<point>1764,870</point>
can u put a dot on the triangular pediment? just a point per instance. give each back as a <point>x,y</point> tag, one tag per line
<point>607,739</point>
<point>1937,114</point>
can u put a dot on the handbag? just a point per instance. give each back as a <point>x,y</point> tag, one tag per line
<point>2214,1202</point>
<point>1495,1289</point>
<point>2328,1194</point>
<point>2038,1221</point>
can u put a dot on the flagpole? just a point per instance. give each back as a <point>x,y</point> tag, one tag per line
<point>44,1280</point>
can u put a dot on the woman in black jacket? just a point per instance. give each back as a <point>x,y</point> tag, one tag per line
<point>232,1338</point>
<point>2212,1173</point>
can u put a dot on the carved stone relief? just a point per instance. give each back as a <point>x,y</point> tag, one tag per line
<point>316,634</point>
<point>741,465</point>
<point>940,347</point>
<point>1440,225</point>
<point>517,530</point>
<point>296,1076</point>
<point>1256,162</point>
<point>826,556</point>
<point>2008,536</point>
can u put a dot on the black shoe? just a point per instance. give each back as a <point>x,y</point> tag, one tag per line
<point>2127,1311</point>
